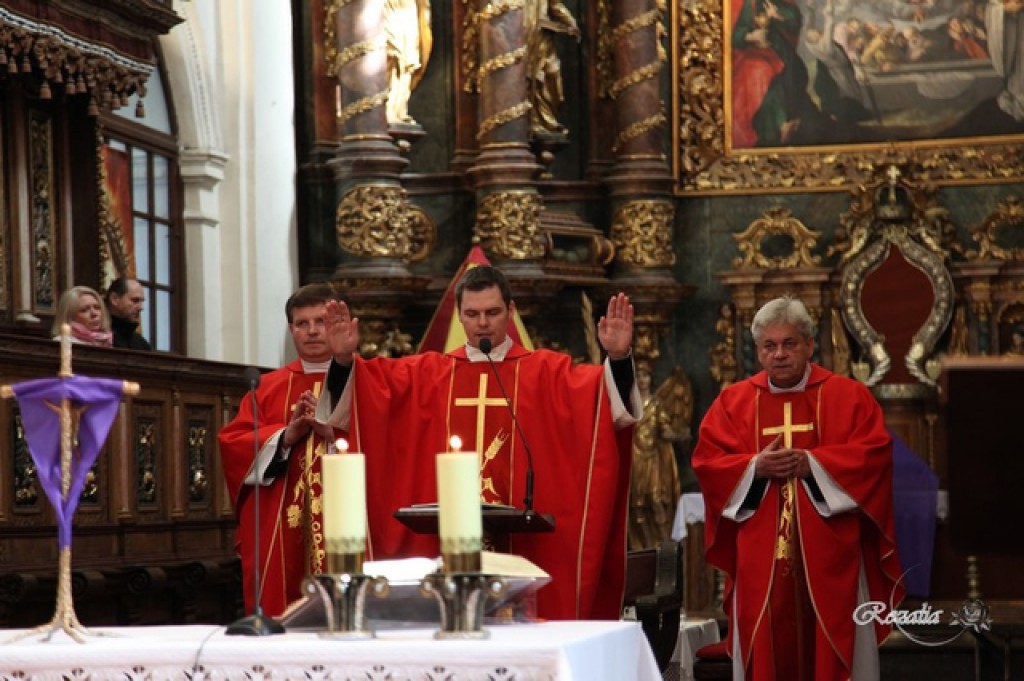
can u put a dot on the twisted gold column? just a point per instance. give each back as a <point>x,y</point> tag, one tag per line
<point>509,206</point>
<point>374,221</point>
<point>640,182</point>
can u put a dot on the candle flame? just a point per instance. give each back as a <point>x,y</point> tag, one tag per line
<point>341,444</point>
<point>456,443</point>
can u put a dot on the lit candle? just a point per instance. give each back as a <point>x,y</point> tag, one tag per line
<point>460,525</point>
<point>344,504</point>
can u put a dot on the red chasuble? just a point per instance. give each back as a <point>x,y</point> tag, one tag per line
<point>787,543</point>
<point>405,411</point>
<point>285,555</point>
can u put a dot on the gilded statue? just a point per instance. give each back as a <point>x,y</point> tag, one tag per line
<point>544,18</point>
<point>409,40</point>
<point>723,353</point>
<point>664,428</point>
<point>840,345</point>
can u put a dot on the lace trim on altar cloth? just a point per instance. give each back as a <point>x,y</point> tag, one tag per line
<point>270,672</point>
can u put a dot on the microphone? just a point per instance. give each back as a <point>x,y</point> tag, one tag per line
<point>485,347</point>
<point>252,377</point>
<point>256,624</point>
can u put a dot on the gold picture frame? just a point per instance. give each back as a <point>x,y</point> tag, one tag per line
<point>705,160</point>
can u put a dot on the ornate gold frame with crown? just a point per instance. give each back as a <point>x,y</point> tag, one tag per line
<point>705,162</point>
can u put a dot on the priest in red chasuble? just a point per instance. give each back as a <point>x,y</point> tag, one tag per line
<point>795,464</point>
<point>402,412</point>
<point>286,473</point>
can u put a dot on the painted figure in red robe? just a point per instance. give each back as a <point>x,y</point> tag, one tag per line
<point>795,464</point>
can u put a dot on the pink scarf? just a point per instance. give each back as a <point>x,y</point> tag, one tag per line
<point>90,337</point>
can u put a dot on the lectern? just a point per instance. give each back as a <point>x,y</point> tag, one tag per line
<point>983,402</point>
<point>498,520</point>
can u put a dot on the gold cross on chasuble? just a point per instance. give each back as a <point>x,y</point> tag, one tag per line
<point>481,402</point>
<point>784,544</point>
<point>788,427</point>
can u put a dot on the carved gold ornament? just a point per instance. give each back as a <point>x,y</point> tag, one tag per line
<point>503,117</point>
<point>642,233</point>
<point>776,221</point>
<point>508,225</point>
<point>700,117</point>
<point>469,54</point>
<point>422,234</point>
<point>644,71</point>
<point>373,220</point>
<point>722,355</point>
<point>894,199</point>
<point>604,65</point>
<point>1008,215</point>
<point>330,35</point>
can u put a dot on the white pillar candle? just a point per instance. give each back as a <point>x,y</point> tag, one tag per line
<point>344,504</point>
<point>460,525</point>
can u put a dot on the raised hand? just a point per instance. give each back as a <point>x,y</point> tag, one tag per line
<point>615,328</point>
<point>342,331</point>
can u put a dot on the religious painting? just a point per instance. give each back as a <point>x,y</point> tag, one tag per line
<point>816,94</point>
<point>117,242</point>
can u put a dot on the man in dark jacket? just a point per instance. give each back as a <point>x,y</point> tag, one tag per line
<point>124,301</point>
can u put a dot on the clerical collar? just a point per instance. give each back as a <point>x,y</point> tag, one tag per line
<point>498,352</point>
<point>315,367</point>
<point>798,388</point>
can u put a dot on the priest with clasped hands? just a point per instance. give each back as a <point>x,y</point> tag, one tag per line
<point>573,428</point>
<point>795,464</point>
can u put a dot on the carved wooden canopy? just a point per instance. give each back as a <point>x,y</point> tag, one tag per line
<point>101,49</point>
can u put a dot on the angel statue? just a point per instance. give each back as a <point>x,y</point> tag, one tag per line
<point>655,487</point>
<point>409,40</point>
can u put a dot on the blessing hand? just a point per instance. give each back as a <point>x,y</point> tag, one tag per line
<point>342,331</point>
<point>615,328</point>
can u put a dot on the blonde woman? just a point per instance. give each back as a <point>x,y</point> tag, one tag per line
<point>83,309</point>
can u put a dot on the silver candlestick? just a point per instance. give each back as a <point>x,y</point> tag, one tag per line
<point>344,597</point>
<point>461,597</point>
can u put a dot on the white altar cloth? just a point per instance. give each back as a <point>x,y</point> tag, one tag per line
<point>552,651</point>
<point>693,635</point>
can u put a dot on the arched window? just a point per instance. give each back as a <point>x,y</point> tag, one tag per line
<point>143,193</point>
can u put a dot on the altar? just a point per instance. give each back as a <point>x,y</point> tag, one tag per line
<point>559,651</point>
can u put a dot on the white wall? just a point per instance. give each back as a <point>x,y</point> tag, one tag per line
<point>230,79</point>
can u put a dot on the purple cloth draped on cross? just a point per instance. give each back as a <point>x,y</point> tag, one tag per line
<point>96,401</point>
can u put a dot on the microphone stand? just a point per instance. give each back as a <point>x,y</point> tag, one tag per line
<point>256,624</point>
<point>528,512</point>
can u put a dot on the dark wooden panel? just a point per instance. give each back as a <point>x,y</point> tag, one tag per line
<point>154,538</point>
<point>983,402</point>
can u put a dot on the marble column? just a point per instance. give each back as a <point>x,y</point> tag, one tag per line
<point>504,174</point>
<point>373,217</point>
<point>640,182</point>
